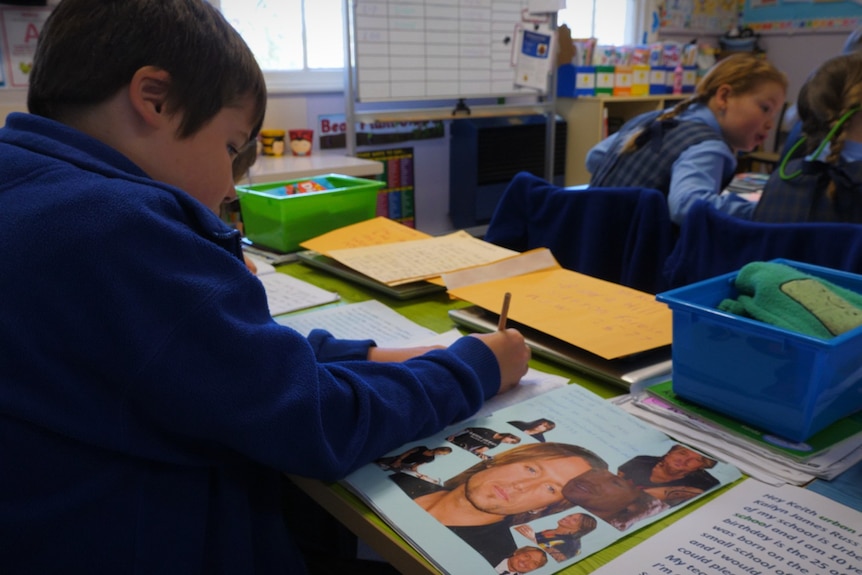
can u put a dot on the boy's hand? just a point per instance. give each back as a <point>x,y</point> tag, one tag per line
<point>512,354</point>
<point>249,263</point>
<point>508,346</point>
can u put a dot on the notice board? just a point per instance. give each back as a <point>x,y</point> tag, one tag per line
<point>801,16</point>
<point>699,17</point>
<point>410,50</point>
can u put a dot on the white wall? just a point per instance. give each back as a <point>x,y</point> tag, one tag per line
<point>798,54</point>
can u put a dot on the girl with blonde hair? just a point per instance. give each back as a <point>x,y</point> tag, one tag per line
<point>689,151</point>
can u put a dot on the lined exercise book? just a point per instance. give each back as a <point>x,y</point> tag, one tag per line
<point>285,293</point>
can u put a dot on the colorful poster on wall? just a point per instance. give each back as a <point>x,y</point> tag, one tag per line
<point>706,16</point>
<point>800,16</point>
<point>20,30</point>
<point>396,199</point>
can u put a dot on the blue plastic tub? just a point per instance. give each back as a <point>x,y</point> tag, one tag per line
<point>779,381</point>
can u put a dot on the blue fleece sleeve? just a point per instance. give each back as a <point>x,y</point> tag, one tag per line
<point>309,406</point>
<point>328,348</point>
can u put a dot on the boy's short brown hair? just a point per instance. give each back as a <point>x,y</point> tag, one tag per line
<point>90,49</point>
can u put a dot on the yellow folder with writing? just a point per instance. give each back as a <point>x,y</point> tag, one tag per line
<point>604,318</point>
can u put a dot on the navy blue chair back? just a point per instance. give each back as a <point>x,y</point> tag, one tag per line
<point>712,243</point>
<point>621,235</point>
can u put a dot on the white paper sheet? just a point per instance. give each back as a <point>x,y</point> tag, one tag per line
<point>755,529</point>
<point>285,293</point>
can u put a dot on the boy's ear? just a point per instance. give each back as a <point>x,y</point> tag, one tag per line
<point>148,93</point>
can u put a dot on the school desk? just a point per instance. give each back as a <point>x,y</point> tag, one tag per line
<point>431,312</point>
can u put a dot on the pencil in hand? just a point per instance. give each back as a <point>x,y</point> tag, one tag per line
<point>501,325</point>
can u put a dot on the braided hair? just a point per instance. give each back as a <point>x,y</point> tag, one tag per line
<point>829,97</point>
<point>743,72</point>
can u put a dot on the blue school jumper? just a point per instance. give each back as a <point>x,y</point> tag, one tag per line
<point>803,198</point>
<point>149,403</point>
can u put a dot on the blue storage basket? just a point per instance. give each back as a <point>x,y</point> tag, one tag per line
<point>780,381</point>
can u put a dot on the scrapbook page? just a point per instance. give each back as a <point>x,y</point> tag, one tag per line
<point>536,486</point>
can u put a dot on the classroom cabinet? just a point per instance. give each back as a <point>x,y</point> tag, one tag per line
<point>590,118</point>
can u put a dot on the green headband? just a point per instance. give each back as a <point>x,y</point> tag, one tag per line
<point>819,149</point>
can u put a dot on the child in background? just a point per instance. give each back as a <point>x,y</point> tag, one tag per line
<point>790,150</point>
<point>825,186</point>
<point>150,404</point>
<point>689,151</point>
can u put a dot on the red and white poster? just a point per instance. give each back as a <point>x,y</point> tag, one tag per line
<point>20,28</point>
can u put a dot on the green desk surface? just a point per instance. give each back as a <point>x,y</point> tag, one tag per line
<point>431,312</point>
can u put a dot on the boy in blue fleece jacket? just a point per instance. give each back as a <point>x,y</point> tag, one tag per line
<point>149,404</point>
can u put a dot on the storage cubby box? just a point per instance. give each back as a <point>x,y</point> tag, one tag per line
<point>776,380</point>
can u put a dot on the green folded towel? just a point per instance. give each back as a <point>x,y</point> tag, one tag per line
<point>783,296</point>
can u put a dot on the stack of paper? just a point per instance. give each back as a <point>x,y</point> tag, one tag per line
<point>769,458</point>
<point>394,254</point>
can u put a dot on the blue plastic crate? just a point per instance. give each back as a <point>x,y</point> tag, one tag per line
<point>780,381</point>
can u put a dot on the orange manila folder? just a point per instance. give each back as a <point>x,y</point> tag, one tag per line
<point>380,250</point>
<point>373,232</point>
<point>604,318</point>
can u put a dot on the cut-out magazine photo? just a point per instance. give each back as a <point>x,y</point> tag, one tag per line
<point>534,487</point>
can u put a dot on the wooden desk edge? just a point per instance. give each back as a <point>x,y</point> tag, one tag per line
<point>360,519</point>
